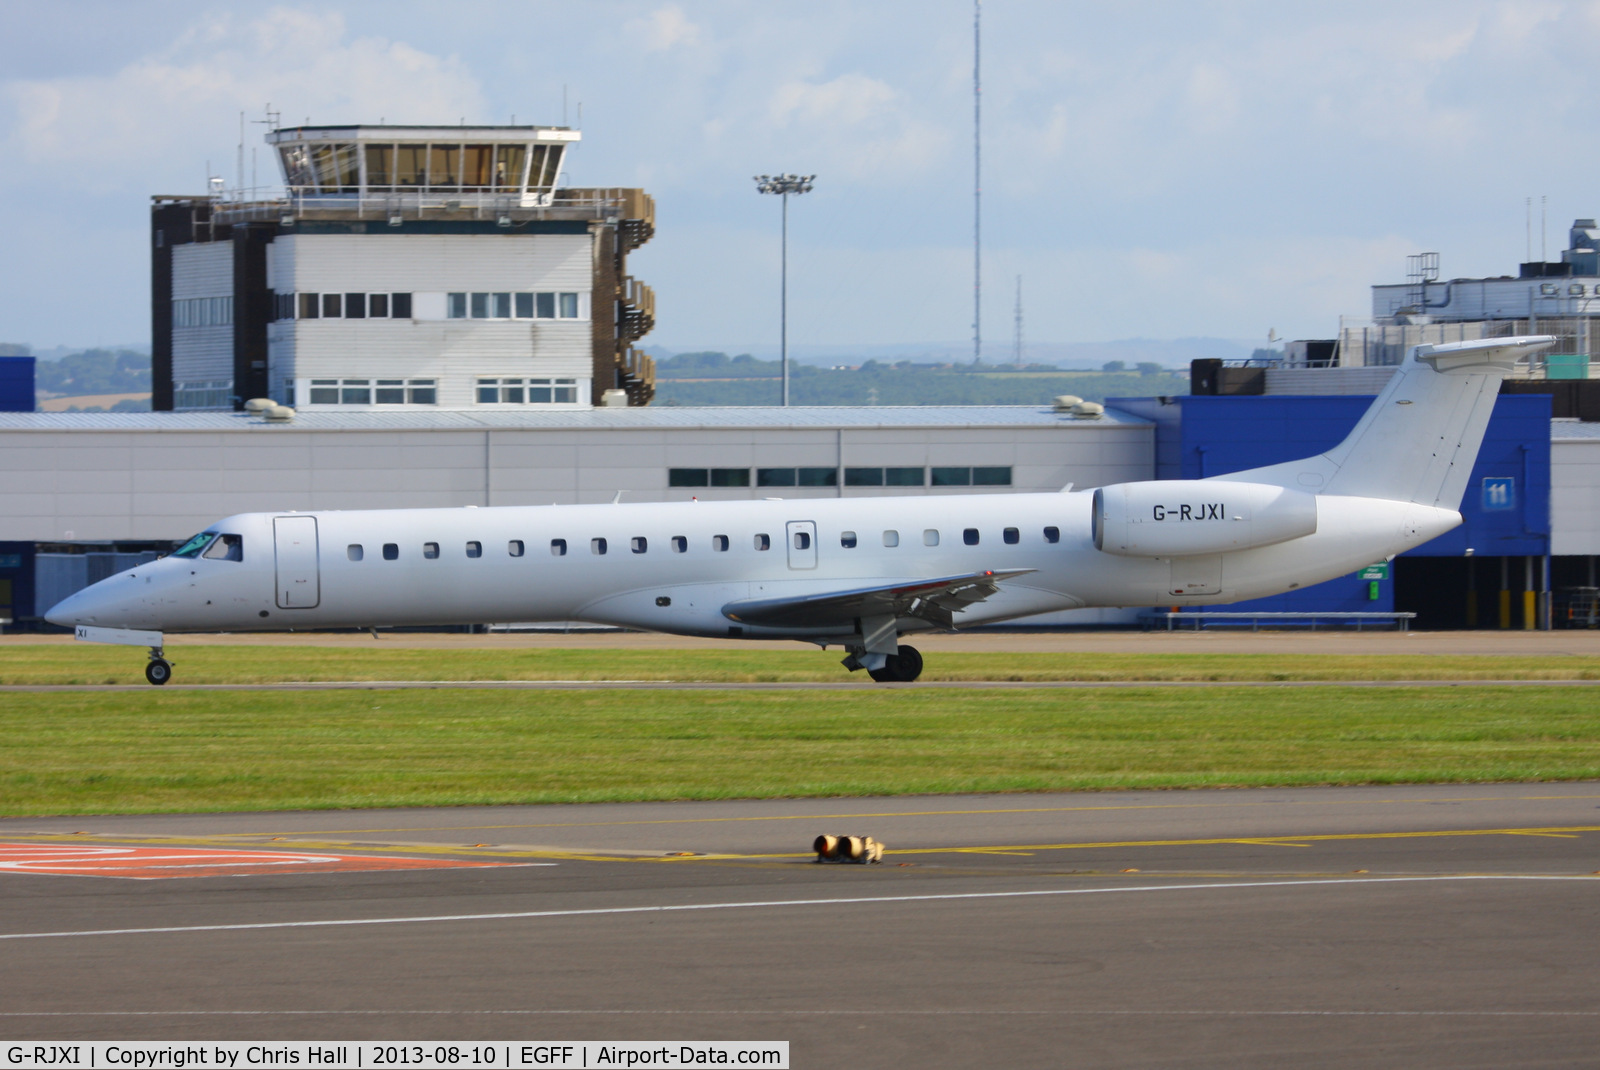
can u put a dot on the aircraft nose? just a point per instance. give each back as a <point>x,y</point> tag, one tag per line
<point>92,605</point>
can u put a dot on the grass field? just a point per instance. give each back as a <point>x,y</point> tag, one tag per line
<point>89,664</point>
<point>155,750</point>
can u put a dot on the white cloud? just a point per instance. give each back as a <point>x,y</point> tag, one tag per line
<point>855,125</point>
<point>152,123</point>
<point>665,28</point>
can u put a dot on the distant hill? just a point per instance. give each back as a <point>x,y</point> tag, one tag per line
<point>93,371</point>
<point>712,378</point>
<point>1175,353</point>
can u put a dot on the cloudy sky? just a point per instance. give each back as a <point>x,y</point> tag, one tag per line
<point>1152,170</point>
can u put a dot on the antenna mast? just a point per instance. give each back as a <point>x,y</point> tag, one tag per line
<point>1016,354</point>
<point>977,188</point>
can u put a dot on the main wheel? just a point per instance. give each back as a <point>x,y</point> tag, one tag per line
<point>158,671</point>
<point>901,668</point>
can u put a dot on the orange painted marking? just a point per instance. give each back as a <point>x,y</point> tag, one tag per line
<point>153,863</point>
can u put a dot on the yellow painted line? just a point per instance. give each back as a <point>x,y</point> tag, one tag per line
<point>1248,841</point>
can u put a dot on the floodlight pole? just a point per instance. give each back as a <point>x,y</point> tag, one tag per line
<point>784,185</point>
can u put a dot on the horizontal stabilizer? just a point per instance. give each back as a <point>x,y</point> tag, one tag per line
<point>935,601</point>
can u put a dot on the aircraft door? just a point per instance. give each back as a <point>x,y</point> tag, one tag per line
<point>299,586</point>
<point>802,544</point>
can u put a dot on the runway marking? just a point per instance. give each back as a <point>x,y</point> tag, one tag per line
<point>150,863</point>
<point>867,816</point>
<point>851,1011</point>
<point>869,900</point>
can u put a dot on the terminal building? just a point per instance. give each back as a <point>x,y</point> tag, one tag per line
<point>403,269</point>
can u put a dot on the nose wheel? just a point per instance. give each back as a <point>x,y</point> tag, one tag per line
<point>159,670</point>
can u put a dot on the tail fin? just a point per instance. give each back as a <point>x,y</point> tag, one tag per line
<point>1420,438</point>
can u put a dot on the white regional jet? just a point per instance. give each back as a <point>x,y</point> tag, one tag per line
<point>857,573</point>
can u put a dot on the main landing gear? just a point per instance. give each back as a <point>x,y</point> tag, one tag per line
<point>159,670</point>
<point>898,668</point>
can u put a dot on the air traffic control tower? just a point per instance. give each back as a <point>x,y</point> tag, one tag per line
<point>403,267</point>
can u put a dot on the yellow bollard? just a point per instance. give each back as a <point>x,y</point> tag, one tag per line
<point>1530,610</point>
<point>1505,609</point>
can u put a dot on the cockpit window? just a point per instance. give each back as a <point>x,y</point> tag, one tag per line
<point>226,548</point>
<point>193,547</point>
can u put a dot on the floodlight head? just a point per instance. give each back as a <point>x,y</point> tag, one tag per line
<point>784,184</point>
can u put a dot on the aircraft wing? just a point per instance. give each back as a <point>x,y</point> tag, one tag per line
<point>933,600</point>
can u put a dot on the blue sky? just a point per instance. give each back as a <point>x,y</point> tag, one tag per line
<point>1152,170</point>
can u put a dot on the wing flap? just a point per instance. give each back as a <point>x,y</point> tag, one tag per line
<point>934,600</point>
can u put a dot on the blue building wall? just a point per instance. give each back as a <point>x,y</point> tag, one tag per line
<point>16,384</point>
<point>1506,511</point>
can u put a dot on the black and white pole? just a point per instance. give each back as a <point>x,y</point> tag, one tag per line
<point>783,185</point>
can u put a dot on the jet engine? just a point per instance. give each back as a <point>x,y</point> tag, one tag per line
<point>1183,517</point>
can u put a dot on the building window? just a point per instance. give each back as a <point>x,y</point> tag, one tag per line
<point>391,551</point>
<point>903,477</point>
<point>597,546</point>
<point>309,306</point>
<point>354,551</point>
<point>1052,534</point>
<point>390,392</point>
<point>501,306</point>
<point>719,543</point>
<point>952,477</point>
<point>991,477</point>
<point>558,547</point>
<point>863,477</point>
<point>535,392</point>
<point>514,548</point>
<point>1011,536</point>
<point>456,305</point>
<point>324,391</point>
<point>430,550</point>
<point>422,392</point>
<point>400,306</point>
<point>202,312</point>
<point>331,304</point>
<point>730,477</point>
<point>378,306</point>
<point>480,306</point>
<point>209,394</point>
<point>546,306</point>
<point>355,392</point>
<point>524,303</point>
<point>355,306</point>
<point>891,538</point>
<point>817,477</point>
<point>474,549</point>
<point>688,477</point>
<point>847,539</point>
<point>970,536</point>
<point>569,306</point>
<point>680,544</point>
<point>774,477</point>
<point>930,537</point>
<point>763,542</point>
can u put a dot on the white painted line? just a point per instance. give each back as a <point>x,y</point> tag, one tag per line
<point>850,901</point>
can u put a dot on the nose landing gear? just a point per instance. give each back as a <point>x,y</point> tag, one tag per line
<point>159,670</point>
<point>899,668</point>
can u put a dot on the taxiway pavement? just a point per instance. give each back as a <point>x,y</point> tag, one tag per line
<point>1386,926</point>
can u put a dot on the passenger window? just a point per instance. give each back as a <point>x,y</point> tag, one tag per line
<point>474,549</point>
<point>514,547</point>
<point>680,544</point>
<point>354,551</point>
<point>558,547</point>
<point>597,546</point>
<point>891,538</point>
<point>430,550</point>
<point>719,543</point>
<point>763,542</point>
<point>226,548</point>
<point>802,540</point>
<point>970,536</point>
<point>847,539</point>
<point>930,537</point>
<point>1011,536</point>
<point>391,551</point>
<point>639,544</point>
<point>1052,534</point>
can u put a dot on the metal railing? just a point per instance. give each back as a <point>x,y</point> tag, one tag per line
<point>605,203</point>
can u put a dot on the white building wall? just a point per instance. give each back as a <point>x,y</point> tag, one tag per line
<point>428,266</point>
<point>167,484</point>
<point>202,354</point>
<point>1574,496</point>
